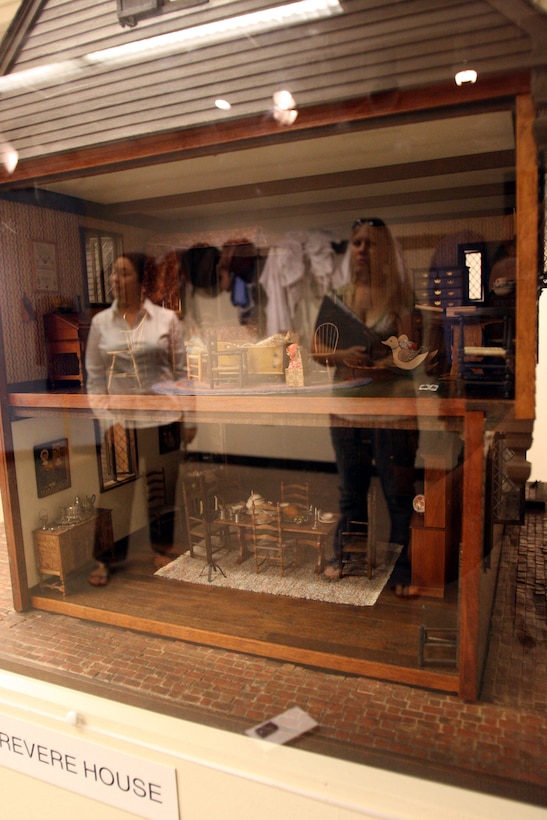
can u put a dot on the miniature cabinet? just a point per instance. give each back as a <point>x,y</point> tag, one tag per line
<point>68,550</point>
<point>436,533</point>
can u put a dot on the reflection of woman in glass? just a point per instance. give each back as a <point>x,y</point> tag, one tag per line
<point>380,295</point>
<point>132,345</point>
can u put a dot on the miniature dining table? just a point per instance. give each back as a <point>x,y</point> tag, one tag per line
<point>311,532</point>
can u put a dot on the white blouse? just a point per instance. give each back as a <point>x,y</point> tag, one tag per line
<point>128,360</point>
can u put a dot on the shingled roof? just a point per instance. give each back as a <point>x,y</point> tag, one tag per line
<point>374,46</point>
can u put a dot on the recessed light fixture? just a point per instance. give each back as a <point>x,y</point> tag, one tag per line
<point>467,76</point>
<point>162,45</point>
<point>224,105</point>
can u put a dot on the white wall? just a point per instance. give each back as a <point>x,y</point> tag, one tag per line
<point>537,455</point>
<point>219,774</point>
<point>128,503</point>
<point>263,441</point>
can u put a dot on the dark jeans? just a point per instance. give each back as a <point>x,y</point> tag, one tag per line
<point>393,452</point>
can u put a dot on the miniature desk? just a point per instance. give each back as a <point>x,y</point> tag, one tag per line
<point>65,341</point>
<point>67,550</point>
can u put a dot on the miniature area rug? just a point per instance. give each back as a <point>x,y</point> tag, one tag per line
<point>299,581</point>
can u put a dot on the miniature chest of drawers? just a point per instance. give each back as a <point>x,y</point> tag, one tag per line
<point>440,287</point>
<point>67,551</point>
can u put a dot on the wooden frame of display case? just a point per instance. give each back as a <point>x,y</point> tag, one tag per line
<point>441,414</point>
<point>471,417</point>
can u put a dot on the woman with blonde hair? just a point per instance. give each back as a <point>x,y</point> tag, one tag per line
<point>379,294</point>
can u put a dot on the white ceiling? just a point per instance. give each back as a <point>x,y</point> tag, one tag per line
<point>309,179</point>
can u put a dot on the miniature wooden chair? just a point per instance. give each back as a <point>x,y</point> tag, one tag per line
<point>325,342</point>
<point>438,637</point>
<point>296,493</point>
<point>196,364</point>
<point>486,352</point>
<point>161,514</point>
<point>357,542</point>
<point>132,338</point>
<point>226,362</point>
<point>199,515</point>
<point>269,544</point>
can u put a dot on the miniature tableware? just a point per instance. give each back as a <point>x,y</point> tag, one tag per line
<point>255,500</point>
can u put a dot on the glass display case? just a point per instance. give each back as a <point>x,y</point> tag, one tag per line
<point>276,376</point>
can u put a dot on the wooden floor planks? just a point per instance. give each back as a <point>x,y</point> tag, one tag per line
<point>379,641</point>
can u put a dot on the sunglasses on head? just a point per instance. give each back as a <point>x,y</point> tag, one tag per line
<point>376,223</point>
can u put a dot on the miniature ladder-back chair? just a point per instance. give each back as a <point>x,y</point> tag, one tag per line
<point>161,514</point>
<point>296,493</point>
<point>325,342</point>
<point>200,512</point>
<point>269,544</point>
<point>357,542</point>
<point>128,355</point>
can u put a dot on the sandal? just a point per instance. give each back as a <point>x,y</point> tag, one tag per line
<point>406,591</point>
<point>168,552</point>
<point>99,577</point>
<point>163,559</point>
<point>331,573</point>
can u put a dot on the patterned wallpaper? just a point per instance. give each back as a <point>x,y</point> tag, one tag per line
<point>22,306</point>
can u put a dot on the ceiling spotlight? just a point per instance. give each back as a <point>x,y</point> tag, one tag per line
<point>467,76</point>
<point>283,100</point>
<point>284,108</point>
<point>8,157</point>
<point>224,105</point>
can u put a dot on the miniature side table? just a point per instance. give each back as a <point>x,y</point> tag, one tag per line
<point>68,550</point>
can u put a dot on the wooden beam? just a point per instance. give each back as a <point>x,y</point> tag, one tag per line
<point>442,100</point>
<point>527,230</point>
<point>342,179</point>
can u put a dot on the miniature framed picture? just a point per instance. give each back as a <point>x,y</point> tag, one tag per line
<point>52,467</point>
<point>44,258</point>
<point>169,437</point>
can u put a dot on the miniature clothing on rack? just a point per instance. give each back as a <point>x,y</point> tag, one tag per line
<point>299,270</point>
<point>322,260</point>
<point>282,274</point>
<point>125,360</point>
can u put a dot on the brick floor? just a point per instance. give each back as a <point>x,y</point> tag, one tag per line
<point>498,744</point>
